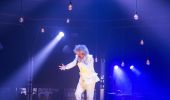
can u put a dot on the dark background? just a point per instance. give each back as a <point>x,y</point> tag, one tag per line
<point>105,26</point>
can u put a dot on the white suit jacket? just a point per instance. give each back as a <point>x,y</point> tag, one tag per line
<point>86,67</point>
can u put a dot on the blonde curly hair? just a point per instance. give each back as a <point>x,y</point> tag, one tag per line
<point>82,48</point>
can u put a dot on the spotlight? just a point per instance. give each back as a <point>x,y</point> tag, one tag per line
<point>44,53</point>
<point>136,17</point>
<point>21,19</point>
<point>116,67</point>
<point>70,7</point>
<point>131,67</point>
<point>61,34</point>
<point>135,70</point>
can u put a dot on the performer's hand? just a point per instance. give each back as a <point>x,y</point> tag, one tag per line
<point>62,67</point>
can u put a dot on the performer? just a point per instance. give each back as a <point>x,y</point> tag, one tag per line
<point>88,76</point>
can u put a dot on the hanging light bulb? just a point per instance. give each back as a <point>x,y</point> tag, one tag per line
<point>21,19</point>
<point>42,30</point>
<point>122,64</point>
<point>142,42</point>
<point>68,20</point>
<point>136,17</point>
<point>148,62</point>
<point>70,6</point>
<point>96,60</point>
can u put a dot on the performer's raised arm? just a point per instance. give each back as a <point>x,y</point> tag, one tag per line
<point>70,65</point>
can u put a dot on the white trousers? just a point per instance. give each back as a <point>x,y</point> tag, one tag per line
<point>89,88</point>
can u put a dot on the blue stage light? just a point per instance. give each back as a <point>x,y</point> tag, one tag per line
<point>116,67</point>
<point>131,67</point>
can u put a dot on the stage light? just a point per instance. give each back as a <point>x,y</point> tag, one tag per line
<point>142,42</point>
<point>70,6</point>
<point>122,64</point>
<point>121,80</point>
<point>116,67</point>
<point>61,34</point>
<point>68,20</point>
<point>148,62</point>
<point>96,60</point>
<point>131,67</point>
<point>135,70</point>
<point>21,19</point>
<point>33,64</point>
<point>136,17</point>
<point>40,57</point>
<point>42,30</point>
